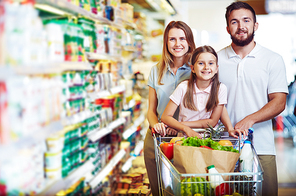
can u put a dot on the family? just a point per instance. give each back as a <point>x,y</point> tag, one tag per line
<point>243,85</point>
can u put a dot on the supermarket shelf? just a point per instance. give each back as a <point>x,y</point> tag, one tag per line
<point>98,134</point>
<point>130,104</point>
<point>46,68</point>
<point>107,169</point>
<point>129,48</point>
<point>105,93</point>
<point>117,89</point>
<point>138,148</point>
<point>68,8</point>
<point>127,133</point>
<point>7,150</point>
<point>76,118</point>
<point>96,56</point>
<point>73,177</point>
<point>116,123</point>
<point>128,164</point>
<point>52,68</point>
<point>128,24</point>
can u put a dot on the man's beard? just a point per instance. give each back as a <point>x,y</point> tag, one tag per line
<point>243,42</point>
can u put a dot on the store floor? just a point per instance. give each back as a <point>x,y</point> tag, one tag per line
<point>286,165</point>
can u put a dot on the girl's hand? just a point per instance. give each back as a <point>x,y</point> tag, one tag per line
<point>171,131</point>
<point>190,133</point>
<point>160,128</point>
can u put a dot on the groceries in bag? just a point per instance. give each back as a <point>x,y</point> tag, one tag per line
<point>193,149</point>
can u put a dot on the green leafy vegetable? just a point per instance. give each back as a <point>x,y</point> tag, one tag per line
<point>195,141</point>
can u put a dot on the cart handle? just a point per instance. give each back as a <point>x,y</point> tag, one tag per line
<point>153,132</point>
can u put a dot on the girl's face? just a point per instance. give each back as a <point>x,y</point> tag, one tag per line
<point>205,67</point>
<point>177,43</point>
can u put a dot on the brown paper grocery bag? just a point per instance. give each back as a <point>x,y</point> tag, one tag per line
<point>195,160</point>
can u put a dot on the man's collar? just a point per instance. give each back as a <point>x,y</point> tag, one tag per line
<point>231,53</point>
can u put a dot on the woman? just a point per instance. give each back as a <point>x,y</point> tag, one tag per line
<point>164,77</point>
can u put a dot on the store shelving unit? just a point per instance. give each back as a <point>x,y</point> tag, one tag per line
<point>44,68</point>
<point>7,150</point>
<point>53,186</point>
<point>96,56</point>
<point>127,133</point>
<point>85,169</point>
<point>95,180</point>
<point>66,8</point>
<point>99,133</point>
<point>105,93</point>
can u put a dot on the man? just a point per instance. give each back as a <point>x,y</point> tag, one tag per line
<point>257,87</point>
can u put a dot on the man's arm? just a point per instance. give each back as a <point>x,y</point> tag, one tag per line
<point>276,104</point>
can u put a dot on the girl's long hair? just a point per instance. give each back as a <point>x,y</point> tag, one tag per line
<point>213,98</point>
<point>167,57</point>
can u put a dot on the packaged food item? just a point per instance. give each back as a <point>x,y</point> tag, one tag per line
<point>124,184</point>
<point>133,192</point>
<point>55,142</point>
<point>145,192</point>
<point>55,42</point>
<point>53,174</point>
<point>53,160</point>
<point>246,158</point>
<point>119,192</point>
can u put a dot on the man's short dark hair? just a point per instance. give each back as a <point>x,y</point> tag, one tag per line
<point>239,5</point>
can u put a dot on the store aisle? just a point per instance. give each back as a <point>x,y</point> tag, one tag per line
<point>286,165</point>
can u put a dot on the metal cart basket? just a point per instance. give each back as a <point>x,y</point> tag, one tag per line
<point>171,182</point>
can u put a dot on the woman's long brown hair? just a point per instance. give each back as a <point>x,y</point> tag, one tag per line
<point>167,57</point>
<point>213,98</point>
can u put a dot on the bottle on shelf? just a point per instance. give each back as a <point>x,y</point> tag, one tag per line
<point>215,180</point>
<point>246,158</point>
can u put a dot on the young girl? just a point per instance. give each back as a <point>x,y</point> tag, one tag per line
<point>201,98</point>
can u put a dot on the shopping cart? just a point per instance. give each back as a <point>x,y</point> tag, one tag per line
<point>171,182</point>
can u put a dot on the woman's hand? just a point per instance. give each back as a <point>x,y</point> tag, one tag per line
<point>160,128</point>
